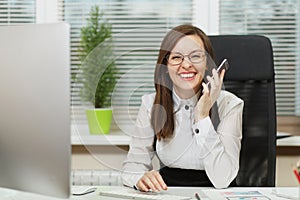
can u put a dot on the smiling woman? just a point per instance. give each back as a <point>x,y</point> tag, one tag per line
<point>188,126</point>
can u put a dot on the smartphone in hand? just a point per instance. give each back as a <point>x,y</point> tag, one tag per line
<point>224,65</point>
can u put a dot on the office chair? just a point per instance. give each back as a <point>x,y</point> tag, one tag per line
<point>251,77</point>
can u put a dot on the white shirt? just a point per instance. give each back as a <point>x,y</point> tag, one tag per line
<point>194,145</point>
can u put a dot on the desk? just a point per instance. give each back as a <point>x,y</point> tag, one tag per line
<point>213,194</point>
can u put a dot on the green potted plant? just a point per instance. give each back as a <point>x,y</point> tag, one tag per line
<point>98,73</point>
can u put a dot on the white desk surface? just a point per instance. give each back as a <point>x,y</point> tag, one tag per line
<point>279,193</point>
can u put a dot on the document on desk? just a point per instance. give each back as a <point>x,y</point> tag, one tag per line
<point>235,194</point>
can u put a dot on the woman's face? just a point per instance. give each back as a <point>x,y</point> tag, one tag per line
<point>186,65</point>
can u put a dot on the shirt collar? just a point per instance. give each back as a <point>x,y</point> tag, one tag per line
<point>179,102</point>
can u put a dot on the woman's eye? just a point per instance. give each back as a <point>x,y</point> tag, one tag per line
<point>176,57</point>
<point>196,56</point>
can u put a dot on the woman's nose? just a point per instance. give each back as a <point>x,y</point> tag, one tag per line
<point>186,63</point>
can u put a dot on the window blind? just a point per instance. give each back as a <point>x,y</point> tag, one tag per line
<point>138,28</point>
<point>279,21</point>
<point>17,11</point>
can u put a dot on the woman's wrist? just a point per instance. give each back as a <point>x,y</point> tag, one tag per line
<point>204,115</point>
<point>200,116</point>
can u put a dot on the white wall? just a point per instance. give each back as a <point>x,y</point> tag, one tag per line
<point>206,15</point>
<point>46,11</point>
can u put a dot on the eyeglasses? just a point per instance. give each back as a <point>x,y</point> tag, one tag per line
<point>195,57</point>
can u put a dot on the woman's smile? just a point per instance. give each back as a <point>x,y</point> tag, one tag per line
<point>188,76</point>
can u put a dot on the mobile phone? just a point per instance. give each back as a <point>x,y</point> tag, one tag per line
<point>224,65</point>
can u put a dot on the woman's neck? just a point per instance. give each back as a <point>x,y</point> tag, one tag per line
<point>185,94</point>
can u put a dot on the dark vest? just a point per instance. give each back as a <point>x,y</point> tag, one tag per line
<point>182,177</point>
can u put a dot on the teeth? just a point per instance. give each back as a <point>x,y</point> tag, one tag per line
<point>187,75</point>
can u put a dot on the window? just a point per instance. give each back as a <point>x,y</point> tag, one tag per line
<point>279,20</point>
<point>138,27</point>
<point>17,12</point>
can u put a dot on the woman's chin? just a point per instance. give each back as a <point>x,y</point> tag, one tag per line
<point>187,90</point>
<point>190,86</point>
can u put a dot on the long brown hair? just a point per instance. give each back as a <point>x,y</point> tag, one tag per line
<point>162,116</point>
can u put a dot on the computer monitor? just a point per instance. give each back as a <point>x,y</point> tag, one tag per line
<point>35,149</point>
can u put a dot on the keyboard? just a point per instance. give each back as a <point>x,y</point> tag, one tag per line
<point>128,193</point>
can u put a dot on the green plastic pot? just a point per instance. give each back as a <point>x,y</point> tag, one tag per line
<point>99,120</point>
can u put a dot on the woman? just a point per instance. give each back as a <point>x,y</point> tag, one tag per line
<point>194,129</point>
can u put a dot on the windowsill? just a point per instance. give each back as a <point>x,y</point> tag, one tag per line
<point>292,141</point>
<point>81,136</point>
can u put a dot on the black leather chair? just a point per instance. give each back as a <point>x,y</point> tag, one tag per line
<point>251,77</point>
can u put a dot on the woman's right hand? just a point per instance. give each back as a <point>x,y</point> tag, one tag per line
<point>209,97</point>
<point>151,180</point>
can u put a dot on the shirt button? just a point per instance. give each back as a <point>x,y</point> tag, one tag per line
<point>186,107</point>
<point>197,131</point>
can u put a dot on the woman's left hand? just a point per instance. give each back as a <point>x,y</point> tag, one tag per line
<point>209,97</point>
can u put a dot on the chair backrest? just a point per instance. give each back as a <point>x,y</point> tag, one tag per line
<point>251,77</point>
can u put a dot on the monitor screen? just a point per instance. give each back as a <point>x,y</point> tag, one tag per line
<point>35,149</point>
